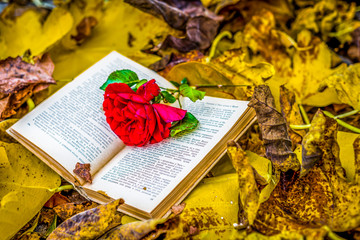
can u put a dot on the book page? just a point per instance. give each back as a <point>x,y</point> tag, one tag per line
<point>144,176</point>
<point>70,126</point>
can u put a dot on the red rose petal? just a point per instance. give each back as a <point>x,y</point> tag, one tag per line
<point>168,113</point>
<point>148,90</point>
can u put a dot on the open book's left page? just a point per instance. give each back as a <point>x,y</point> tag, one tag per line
<point>70,126</point>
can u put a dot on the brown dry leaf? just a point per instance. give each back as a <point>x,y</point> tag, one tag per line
<point>56,199</point>
<point>19,80</point>
<point>150,229</point>
<point>248,191</point>
<point>177,209</point>
<point>83,171</point>
<point>291,112</point>
<point>84,29</point>
<point>89,224</point>
<point>322,197</point>
<point>274,130</point>
<point>67,210</point>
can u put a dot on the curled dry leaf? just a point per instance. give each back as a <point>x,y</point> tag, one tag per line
<point>274,130</point>
<point>201,25</point>
<point>83,171</point>
<point>19,80</point>
<point>248,191</point>
<point>291,112</point>
<point>89,224</point>
<point>150,229</point>
<point>84,29</point>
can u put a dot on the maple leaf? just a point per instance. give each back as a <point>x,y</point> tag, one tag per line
<point>19,80</point>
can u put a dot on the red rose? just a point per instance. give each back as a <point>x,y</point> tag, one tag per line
<point>133,118</point>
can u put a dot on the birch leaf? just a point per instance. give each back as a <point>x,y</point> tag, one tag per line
<point>24,187</point>
<point>32,25</point>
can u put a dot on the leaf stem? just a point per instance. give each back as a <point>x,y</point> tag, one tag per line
<point>30,104</point>
<point>61,188</point>
<point>304,115</point>
<point>300,127</point>
<point>342,123</point>
<point>346,114</point>
<point>215,43</point>
<point>219,85</point>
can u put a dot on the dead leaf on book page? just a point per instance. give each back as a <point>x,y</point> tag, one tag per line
<point>89,224</point>
<point>19,80</point>
<point>83,171</point>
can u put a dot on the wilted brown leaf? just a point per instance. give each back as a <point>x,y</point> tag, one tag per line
<point>89,224</point>
<point>83,171</point>
<point>19,80</point>
<point>55,200</point>
<point>291,112</point>
<point>84,29</point>
<point>274,130</point>
<point>177,209</point>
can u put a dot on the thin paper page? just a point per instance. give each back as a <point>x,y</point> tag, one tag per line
<point>71,126</point>
<point>144,176</point>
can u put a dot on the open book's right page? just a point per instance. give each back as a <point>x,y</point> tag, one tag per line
<point>144,176</point>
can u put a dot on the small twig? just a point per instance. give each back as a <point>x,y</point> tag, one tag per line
<point>300,127</point>
<point>346,114</point>
<point>215,43</point>
<point>304,115</point>
<point>218,85</point>
<point>61,188</point>
<point>342,123</point>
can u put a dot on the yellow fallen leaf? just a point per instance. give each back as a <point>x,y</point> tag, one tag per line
<point>347,156</point>
<point>23,187</point>
<point>31,31</point>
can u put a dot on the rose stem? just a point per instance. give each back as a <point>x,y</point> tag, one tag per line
<point>300,127</point>
<point>347,114</point>
<point>218,85</point>
<point>215,43</point>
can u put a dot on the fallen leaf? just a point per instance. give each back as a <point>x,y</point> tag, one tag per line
<point>20,80</point>
<point>347,155</point>
<point>347,85</point>
<point>89,224</point>
<point>67,210</point>
<point>55,200</point>
<point>248,191</point>
<point>24,188</point>
<point>47,30</point>
<point>274,130</point>
<point>84,29</point>
<point>83,171</point>
<point>149,229</point>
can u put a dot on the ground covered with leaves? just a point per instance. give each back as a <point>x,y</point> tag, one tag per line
<point>295,174</point>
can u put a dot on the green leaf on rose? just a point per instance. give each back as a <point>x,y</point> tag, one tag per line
<point>121,76</point>
<point>189,122</point>
<point>184,81</point>
<point>191,93</point>
<point>168,97</point>
<point>176,84</point>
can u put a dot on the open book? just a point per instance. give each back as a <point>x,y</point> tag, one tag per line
<point>70,127</point>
